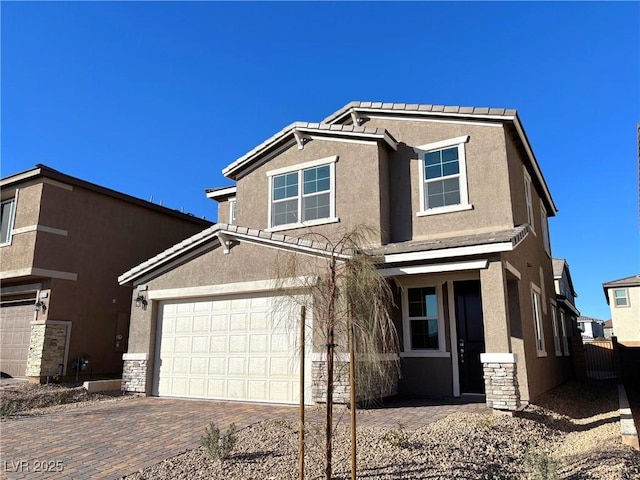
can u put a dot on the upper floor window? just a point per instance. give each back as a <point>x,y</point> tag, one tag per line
<point>302,195</point>
<point>620,296</point>
<point>232,211</point>
<point>443,176</point>
<point>528,198</point>
<point>545,228</point>
<point>7,212</point>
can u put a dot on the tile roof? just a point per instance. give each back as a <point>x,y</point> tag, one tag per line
<point>307,127</point>
<point>631,281</point>
<point>213,233</point>
<point>482,112</point>
<point>514,235</point>
<point>558,266</point>
<point>582,318</point>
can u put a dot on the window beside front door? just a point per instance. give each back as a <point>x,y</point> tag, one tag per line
<point>443,177</point>
<point>537,321</point>
<point>303,195</point>
<point>423,321</point>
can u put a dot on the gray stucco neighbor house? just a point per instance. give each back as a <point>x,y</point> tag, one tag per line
<point>460,206</point>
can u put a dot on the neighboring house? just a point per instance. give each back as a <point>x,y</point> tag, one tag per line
<point>623,297</point>
<point>590,328</point>
<point>564,313</point>
<point>460,206</point>
<point>63,243</point>
<point>608,330</point>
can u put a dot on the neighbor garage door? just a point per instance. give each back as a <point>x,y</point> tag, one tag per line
<point>15,332</point>
<point>233,348</point>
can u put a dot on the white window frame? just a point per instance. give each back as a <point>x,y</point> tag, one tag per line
<point>406,325</point>
<point>544,222</point>
<point>462,176</point>
<point>626,298</point>
<point>331,162</point>
<point>556,331</point>
<point>565,339</point>
<point>12,216</point>
<point>529,199</point>
<point>538,328</point>
<point>232,210</point>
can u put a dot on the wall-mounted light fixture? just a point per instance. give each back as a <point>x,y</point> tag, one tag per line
<point>141,301</point>
<point>40,305</point>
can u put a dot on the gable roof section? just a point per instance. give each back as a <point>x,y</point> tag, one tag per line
<point>351,113</point>
<point>42,171</point>
<point>298,130</point>
<point>559,266</point>
<point>223,234</point>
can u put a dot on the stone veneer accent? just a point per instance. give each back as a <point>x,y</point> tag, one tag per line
<point>501,381</point>
<point>376,391</point>
<point>46,349</point>
<point>134,372</point>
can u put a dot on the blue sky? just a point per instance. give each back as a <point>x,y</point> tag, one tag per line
<point>154,99</point>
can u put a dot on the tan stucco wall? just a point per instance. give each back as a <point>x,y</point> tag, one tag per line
<point>626,320</point>
<point>19,253</point>
<point>487,176</point>
<point>544,372</point>
<point>357,187</point>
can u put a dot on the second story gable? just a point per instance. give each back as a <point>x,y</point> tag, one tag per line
<point>413,172</point>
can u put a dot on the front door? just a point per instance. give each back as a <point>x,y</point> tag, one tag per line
<point>470,335</point>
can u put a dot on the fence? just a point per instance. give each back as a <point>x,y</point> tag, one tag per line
<point>599,356</point>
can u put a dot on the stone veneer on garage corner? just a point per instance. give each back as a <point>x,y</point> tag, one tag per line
<point>47,348</point>
<point>134,372</point>
<point>501,381</point>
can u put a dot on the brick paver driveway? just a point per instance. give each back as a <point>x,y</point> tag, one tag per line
<point>114,439</point>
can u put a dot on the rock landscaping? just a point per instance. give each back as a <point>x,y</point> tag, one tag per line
<point>572,432</point>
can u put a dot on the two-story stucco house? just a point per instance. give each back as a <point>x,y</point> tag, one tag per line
<point>460,206</point>
<point>623,297</point>
<point>64,241</point>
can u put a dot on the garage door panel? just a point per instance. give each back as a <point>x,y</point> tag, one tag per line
<point>228,348</point>
<point>15,334</point>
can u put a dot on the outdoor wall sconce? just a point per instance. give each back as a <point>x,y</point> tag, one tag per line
<point>40,305</point>
<point>141,301</point>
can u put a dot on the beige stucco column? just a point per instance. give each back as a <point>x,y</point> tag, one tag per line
<point>499,364</point>
<point>495,308</point>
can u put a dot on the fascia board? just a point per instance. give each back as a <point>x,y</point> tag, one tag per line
<point>449,252</point>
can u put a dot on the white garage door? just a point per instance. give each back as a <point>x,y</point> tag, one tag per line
<point>233,348</point>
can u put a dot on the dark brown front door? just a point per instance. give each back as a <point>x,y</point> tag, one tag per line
<point>470,335</point>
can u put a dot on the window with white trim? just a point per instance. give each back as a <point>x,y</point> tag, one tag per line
<point>528,198</point>
<point>7,213</point>
<point>544,222</point>
<point>565,338</point>
<point>620,296</point>
<point>232,211</point>
<point>302,195</point>
<point>556,331</point>
<point>443,176</point>
<point>423,320</point>
<point>537,320</point>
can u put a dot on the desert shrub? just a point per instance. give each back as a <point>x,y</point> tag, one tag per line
<point>7,408</point>
<point>398,437</point>
<point>217,444</point>
<point>540,466</point>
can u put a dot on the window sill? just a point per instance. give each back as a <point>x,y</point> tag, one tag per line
<point>448,209</point>
<point>425,353</point>
<point>312,223</point>
<point>541,354</point>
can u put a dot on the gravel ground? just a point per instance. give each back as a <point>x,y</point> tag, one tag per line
<point>574,430</point>
<point>26,399</point>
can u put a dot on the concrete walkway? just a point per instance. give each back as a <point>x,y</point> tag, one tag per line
<point>114,439</point>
